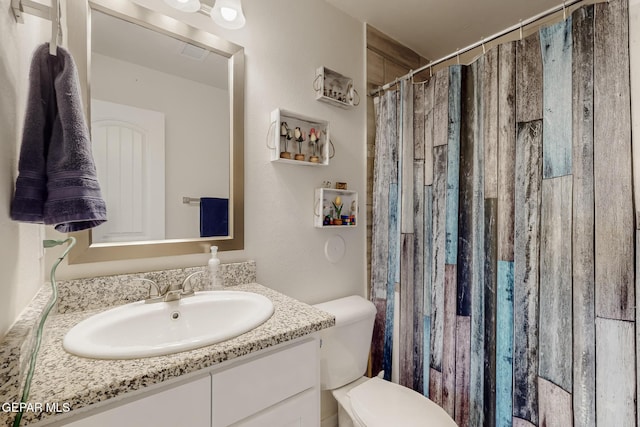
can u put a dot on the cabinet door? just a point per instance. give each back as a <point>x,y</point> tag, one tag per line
<point>185,405</point>
<point>247,389</point>
<point>298,411</point>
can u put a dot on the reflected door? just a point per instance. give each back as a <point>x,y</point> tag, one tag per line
<point>128,146</point>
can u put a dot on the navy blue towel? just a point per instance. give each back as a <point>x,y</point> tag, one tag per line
<point>214,217</point>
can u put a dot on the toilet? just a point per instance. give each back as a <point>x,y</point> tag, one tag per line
<point>362,401</point>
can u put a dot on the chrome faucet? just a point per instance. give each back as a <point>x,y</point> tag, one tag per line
<point>176,292</point>
<point>170,293</point>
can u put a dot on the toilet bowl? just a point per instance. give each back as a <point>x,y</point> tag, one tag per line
<point>362,401</point>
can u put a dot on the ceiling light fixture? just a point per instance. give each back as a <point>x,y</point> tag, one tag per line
<point>228,14</point>
<point>189,6</point>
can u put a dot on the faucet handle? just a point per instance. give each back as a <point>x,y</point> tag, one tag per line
<point>187,282</point>
<point>152,286</point>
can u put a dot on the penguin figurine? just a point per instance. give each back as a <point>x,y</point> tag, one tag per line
<point>299,136</point>
<point>284,129</point>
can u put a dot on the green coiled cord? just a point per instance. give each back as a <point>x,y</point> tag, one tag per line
<point>43,319</point>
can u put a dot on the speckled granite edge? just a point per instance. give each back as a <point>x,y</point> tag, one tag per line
<point>16,346</point>
<point>108,291</point>
<point>67,379</point>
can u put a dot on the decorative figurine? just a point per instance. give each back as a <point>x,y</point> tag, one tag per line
<point>299,136</point>
<point>337,206</point>
<point>313,140</point>
<point>341,185</point>
<point>285,134</point>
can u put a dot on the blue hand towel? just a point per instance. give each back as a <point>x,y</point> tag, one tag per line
<point>214,217</point>
<point>57,181</point>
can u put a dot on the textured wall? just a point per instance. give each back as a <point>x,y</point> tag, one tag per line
<point>503,223</point>
<point>20,260</point>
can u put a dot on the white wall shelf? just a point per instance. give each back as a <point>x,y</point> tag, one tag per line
<point>335,89</point>
<point>324,210</point>
<point>306,153</point>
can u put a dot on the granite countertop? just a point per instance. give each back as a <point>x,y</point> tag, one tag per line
<point>77,382</point>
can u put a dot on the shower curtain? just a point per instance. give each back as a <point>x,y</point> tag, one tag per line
<point>503,231</point>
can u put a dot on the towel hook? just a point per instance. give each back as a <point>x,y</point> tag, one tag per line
<point>56,28</point>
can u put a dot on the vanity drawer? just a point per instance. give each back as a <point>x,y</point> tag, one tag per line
<point>249,388</point>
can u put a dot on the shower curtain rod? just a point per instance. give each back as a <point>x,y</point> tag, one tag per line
<point>563,6</point>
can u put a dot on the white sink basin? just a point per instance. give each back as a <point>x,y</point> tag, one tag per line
<point>141,330</point>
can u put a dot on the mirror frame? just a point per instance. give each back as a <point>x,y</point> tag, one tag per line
<point>79,23</point>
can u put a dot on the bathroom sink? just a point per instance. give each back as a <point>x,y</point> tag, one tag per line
<point>141,330</point>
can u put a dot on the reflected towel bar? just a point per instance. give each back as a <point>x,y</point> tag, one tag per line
<point>191,200</point>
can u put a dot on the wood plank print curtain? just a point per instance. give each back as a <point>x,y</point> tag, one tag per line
<point>503,250</point>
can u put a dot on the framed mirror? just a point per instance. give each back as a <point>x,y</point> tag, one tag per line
<point>166,108</point>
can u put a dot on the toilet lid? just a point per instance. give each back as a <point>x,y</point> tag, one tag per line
<point>380,403</point>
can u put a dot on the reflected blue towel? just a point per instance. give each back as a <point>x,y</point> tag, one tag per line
<point>214,217</point>
<point>57,182</point>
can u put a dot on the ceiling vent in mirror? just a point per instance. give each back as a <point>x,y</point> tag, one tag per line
<point>193,52</point>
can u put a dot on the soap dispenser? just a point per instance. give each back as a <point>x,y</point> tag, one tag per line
<point>215,275</point>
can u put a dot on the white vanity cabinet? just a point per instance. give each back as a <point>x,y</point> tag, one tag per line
<point>277,387</point>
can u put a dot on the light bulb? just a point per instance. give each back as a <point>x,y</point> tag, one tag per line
<point>228,14</point>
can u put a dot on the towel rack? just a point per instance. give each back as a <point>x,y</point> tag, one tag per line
<point>191,200</point>
<point>52,13</point>
<point>31,7</point>
<point>56,28</point>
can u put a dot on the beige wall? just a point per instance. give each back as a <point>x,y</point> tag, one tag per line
<point>20,262</point>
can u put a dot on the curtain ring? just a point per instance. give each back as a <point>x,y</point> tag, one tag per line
<point>521,29</point>
<point>484,51</point>
<point>458,56</point>
<point>564,11</point>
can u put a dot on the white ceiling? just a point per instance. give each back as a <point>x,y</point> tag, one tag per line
<point>435,28</point>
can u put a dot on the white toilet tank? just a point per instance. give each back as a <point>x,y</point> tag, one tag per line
<point>345,346</point>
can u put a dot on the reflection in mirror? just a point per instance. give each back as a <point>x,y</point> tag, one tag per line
<point>160,129</point>
<point>167,107</point>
